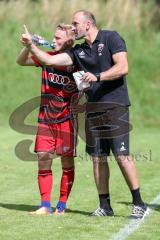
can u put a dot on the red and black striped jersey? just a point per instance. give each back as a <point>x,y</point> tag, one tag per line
<point>58,89</point>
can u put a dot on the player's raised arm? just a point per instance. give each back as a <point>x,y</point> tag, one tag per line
<point>62,59</point>
<point>24,57</point>
<point>44,58</point>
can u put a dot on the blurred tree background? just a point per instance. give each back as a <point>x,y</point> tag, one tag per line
<point>138,21</point>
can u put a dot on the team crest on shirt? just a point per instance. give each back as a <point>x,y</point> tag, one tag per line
<point>100,48</point>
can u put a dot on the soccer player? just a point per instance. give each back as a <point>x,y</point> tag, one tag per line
<point>56,134</point>
<point>103,57</point>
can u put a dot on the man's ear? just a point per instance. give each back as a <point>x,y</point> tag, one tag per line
<point>70,41</point>
<point>88,25</point>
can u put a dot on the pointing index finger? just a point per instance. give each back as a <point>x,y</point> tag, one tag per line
<point>25,29</point>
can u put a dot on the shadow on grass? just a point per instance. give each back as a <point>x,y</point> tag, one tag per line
<point>27,208</point>
<point>18,207</point>
<point>155,207</point>
<point>77,212</point>
<point>89,213</point>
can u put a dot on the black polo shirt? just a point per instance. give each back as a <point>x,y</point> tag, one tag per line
<point>97,59</point>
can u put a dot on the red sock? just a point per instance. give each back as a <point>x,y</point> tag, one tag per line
<point>66,183</point>
<point>45,180</point>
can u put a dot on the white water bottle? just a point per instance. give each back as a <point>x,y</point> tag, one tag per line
<point>80,84</point>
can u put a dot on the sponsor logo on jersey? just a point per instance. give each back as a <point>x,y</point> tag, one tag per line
<point>58,79</point>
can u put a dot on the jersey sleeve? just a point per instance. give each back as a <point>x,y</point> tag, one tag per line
<point>116,43</point>
<point>37,64</point>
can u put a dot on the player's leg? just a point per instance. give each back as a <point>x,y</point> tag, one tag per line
<point>44,146</point>
<point>66,184</point>
<point>66,147</point>
<point>45,181</point>
<point>45,178</point>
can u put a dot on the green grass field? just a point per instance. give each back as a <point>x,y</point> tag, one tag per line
<point>19,194</point>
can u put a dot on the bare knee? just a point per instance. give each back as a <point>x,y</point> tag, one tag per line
<point>99,161</point>
<point>124,160</point>
<point>67,162</point>
<point>44,160</point>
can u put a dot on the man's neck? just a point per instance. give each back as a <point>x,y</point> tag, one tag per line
<point>91,36</point>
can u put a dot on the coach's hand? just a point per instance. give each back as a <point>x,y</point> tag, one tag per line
<point>89,77</point>
<point>26,38</point>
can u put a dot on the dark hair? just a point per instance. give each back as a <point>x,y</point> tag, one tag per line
<point>88,15</point>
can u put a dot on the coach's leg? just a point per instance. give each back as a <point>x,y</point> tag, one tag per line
<point>67,181</point>
<point>128,169</point>
<point>101,176</point>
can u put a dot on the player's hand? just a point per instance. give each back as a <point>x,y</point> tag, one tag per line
<point>89,77</point>
<point>26,38</point>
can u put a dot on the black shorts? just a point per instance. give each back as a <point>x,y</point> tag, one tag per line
<point>108,131</point>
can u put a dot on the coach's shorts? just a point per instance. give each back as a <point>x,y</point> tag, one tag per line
<point>108,131</point>
<point>59,138</point>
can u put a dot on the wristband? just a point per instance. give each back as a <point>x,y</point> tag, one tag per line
<point>98,77</point>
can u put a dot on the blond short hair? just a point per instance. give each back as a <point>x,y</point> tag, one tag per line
<point>68,29</point>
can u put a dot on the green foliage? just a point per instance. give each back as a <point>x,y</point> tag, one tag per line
<point>19,84</point>
<point>143,78</point>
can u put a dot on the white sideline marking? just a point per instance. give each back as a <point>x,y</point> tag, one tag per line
<point>133,225</point>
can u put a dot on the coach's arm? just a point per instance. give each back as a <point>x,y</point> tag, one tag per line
<point>119,69</point>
